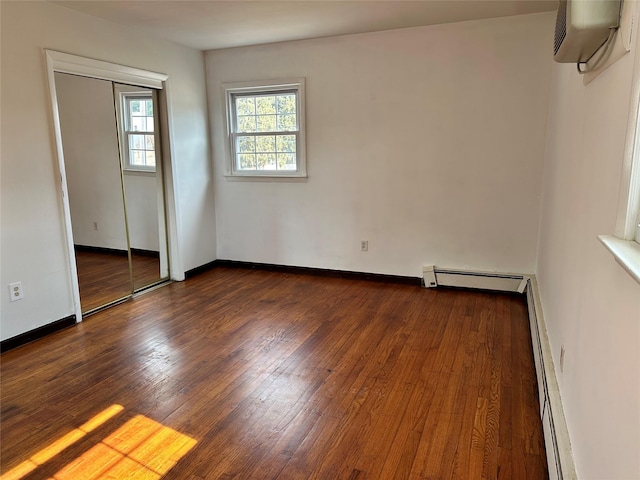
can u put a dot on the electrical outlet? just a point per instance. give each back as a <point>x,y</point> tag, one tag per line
<point>364,246</point>
<point>561,358</point>
<point>15,290</point>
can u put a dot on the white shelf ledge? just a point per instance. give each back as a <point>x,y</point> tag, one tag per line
<point>626,253</point>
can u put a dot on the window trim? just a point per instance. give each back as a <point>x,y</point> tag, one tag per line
<point>633,216</point>
<point>231,90</point>
<point>624,244</point>
<point>628,219</point>
<point>632,225</point>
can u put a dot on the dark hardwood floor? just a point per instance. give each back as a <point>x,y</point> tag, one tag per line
<point>261,375</point>
<point>105,277</point>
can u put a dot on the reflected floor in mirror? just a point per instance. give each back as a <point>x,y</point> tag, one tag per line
<point>103,276</point>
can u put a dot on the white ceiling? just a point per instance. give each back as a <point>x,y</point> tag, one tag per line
<point>209,24</point>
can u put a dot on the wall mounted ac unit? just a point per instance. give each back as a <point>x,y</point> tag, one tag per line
<point>582,27</point>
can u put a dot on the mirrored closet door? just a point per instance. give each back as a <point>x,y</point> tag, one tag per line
<point>115,184</point>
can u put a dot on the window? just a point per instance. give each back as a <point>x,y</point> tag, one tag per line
<point>637,223</point>
<point>636,194</point>
<point>138,132</point>
<point>630,213</point>
<point>625,243</point>
<point>637,188</point>
<point>266,129</point>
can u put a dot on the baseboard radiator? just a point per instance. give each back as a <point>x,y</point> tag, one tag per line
<point>556,435</point>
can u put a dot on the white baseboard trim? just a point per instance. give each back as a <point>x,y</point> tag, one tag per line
<point>556,436</point>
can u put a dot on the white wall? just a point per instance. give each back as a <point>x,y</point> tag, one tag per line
<point>427,142</point>
<point>591,305</point>
<point>92,161</point>
<point>32,235</point>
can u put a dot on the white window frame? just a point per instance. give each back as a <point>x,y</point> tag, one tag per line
<point>635,193</point>
<point>632,224</point>
<point>123,108</point>
<point>624,244</point>
<point>290,85</point>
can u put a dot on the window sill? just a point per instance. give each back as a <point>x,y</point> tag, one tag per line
<point>266,178</point>
<point>142,173</point>
<point>626,253</point>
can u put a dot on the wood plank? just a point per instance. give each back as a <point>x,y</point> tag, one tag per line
<point>278,375</point>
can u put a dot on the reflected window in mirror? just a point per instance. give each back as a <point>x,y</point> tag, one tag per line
<point>138,134</point>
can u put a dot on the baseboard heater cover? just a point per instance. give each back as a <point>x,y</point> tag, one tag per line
<point>501,282</point>
<point>556,435</point>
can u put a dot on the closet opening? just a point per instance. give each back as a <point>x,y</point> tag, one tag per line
<point>111,127</point>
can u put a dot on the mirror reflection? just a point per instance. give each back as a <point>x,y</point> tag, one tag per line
<point>111,151</point>
<point>143,187</point>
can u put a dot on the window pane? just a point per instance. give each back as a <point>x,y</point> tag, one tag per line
<point>266,143</point>
<point>150,127</point>
<point>246,124</point>
<point>149,142</point>
<point>286,143</point>
<point>287,103</point>
<point>266,161</point>
<point>135,107</point>
<point>266,123</point>
<point>141,109</point>
<point>136,142</point>
<point>286,161</point>
<point>286,123</point>
<point>137,157</point>
<point>138,124</point>
<point>246,161</point>
<point>151,159</point>
<point>149,108</point>
<point>245,105</point>
<point>245,144</point>
<point>266,105</point>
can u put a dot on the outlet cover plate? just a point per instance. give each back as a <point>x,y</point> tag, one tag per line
<point>15,291</point>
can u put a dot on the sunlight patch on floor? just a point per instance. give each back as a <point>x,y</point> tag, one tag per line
<point>139,449</point>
